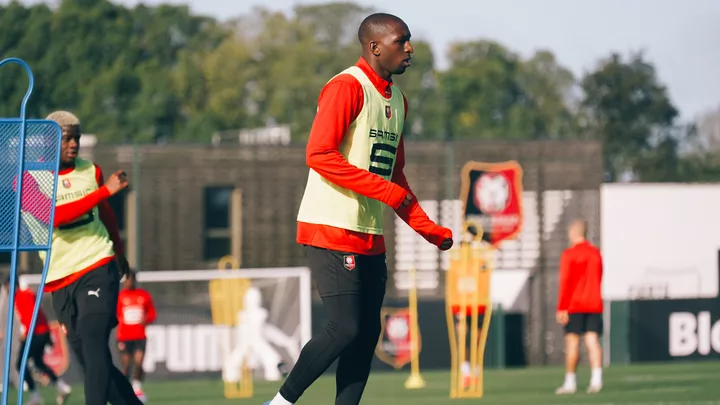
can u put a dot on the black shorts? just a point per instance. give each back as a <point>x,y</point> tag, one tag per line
<point>132,346</point>
<point>94,293</point>
<point>342,273</point>
<point>581,323</point>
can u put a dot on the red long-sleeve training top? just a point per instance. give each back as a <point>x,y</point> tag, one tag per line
<point>581,270</point>
<point>339,104</point>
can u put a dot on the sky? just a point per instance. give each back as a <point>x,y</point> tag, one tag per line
<point>683,41</point>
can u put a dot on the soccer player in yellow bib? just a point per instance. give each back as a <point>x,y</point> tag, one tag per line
<point>86,263</point>
<point>356,158</point>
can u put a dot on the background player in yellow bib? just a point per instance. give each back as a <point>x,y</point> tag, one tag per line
<point>356,159</point>
<point>86,263</point>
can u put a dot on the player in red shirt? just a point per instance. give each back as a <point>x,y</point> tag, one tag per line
<point>24,306</point>
<point>135,311</point>
<point>356,158</point>
<point>580,306</point>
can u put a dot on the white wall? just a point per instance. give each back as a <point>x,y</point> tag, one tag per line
<point>663,237</point>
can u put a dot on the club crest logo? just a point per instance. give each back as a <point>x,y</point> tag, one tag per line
<point>394,345</point>
<point>492,193</point>
<point>349,262</point>
<point>492,198</point>
<point>66,183</point>
<point>388,112</point>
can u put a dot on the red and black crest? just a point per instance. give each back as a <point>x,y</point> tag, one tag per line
<point>395,344</point>
<point>388,112</point>
<point>492,198</point>
<point>349,262</point>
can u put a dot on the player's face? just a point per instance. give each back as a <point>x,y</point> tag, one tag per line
<point>70,144</point>
<point>129,283</point>
<point>395,48</point>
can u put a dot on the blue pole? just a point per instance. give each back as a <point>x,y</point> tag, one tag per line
<point>16,235</point>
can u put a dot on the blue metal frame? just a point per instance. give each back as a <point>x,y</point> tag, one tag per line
<point>54,167</point>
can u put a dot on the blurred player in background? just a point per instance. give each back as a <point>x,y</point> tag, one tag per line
<point>580,306</point>
<point>24,307</point>
<point>356,157</point>
<point>86,264</point>
<point>135,311</point>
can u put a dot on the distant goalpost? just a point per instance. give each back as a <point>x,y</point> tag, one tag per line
<point>198,313</point>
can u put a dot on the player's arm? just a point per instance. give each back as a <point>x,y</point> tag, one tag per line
<point>107,216</point>
<point>67,213</point>
<point>413,214</point>
<point>339,104</point>
<point>34,202</point>
<point>150,312</point>
<point>566,283</point>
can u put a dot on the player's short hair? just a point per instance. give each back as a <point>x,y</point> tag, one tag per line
<point>374,23</point>
<point>64,118</point>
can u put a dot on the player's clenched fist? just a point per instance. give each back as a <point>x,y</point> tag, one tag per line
<point>117,182</point>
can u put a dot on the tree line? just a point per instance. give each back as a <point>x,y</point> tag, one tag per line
<point>162,74</point>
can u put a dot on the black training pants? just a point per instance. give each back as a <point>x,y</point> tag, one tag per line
<point>87,308</point>
<point>352,288</point>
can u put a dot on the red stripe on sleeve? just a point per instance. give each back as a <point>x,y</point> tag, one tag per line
<point>339,104</point>
<point>108,218</point>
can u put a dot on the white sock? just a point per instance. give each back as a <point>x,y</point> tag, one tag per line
<point>136,384</point>
<point>569,380</point>
<point>596,376</point>
<point>279,400</point>
<point>465,368</point>
<point>62,386</point>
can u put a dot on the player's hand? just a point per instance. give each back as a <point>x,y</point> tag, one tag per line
<point>123,266</point>
<point>446,244</point>
<point>117,182</point>
<point>406,202</point>
<point>562,317</point>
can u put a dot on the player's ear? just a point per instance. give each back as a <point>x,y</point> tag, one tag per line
<point>375,48</point>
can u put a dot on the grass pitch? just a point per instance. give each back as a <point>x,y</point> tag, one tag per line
<point>661,384</point>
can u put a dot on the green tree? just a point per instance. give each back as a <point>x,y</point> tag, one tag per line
<point>486,95</point>
<point>549,87</point>
<point>631,112</point>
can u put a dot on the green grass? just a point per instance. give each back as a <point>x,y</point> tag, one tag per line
<point>686,383</point>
